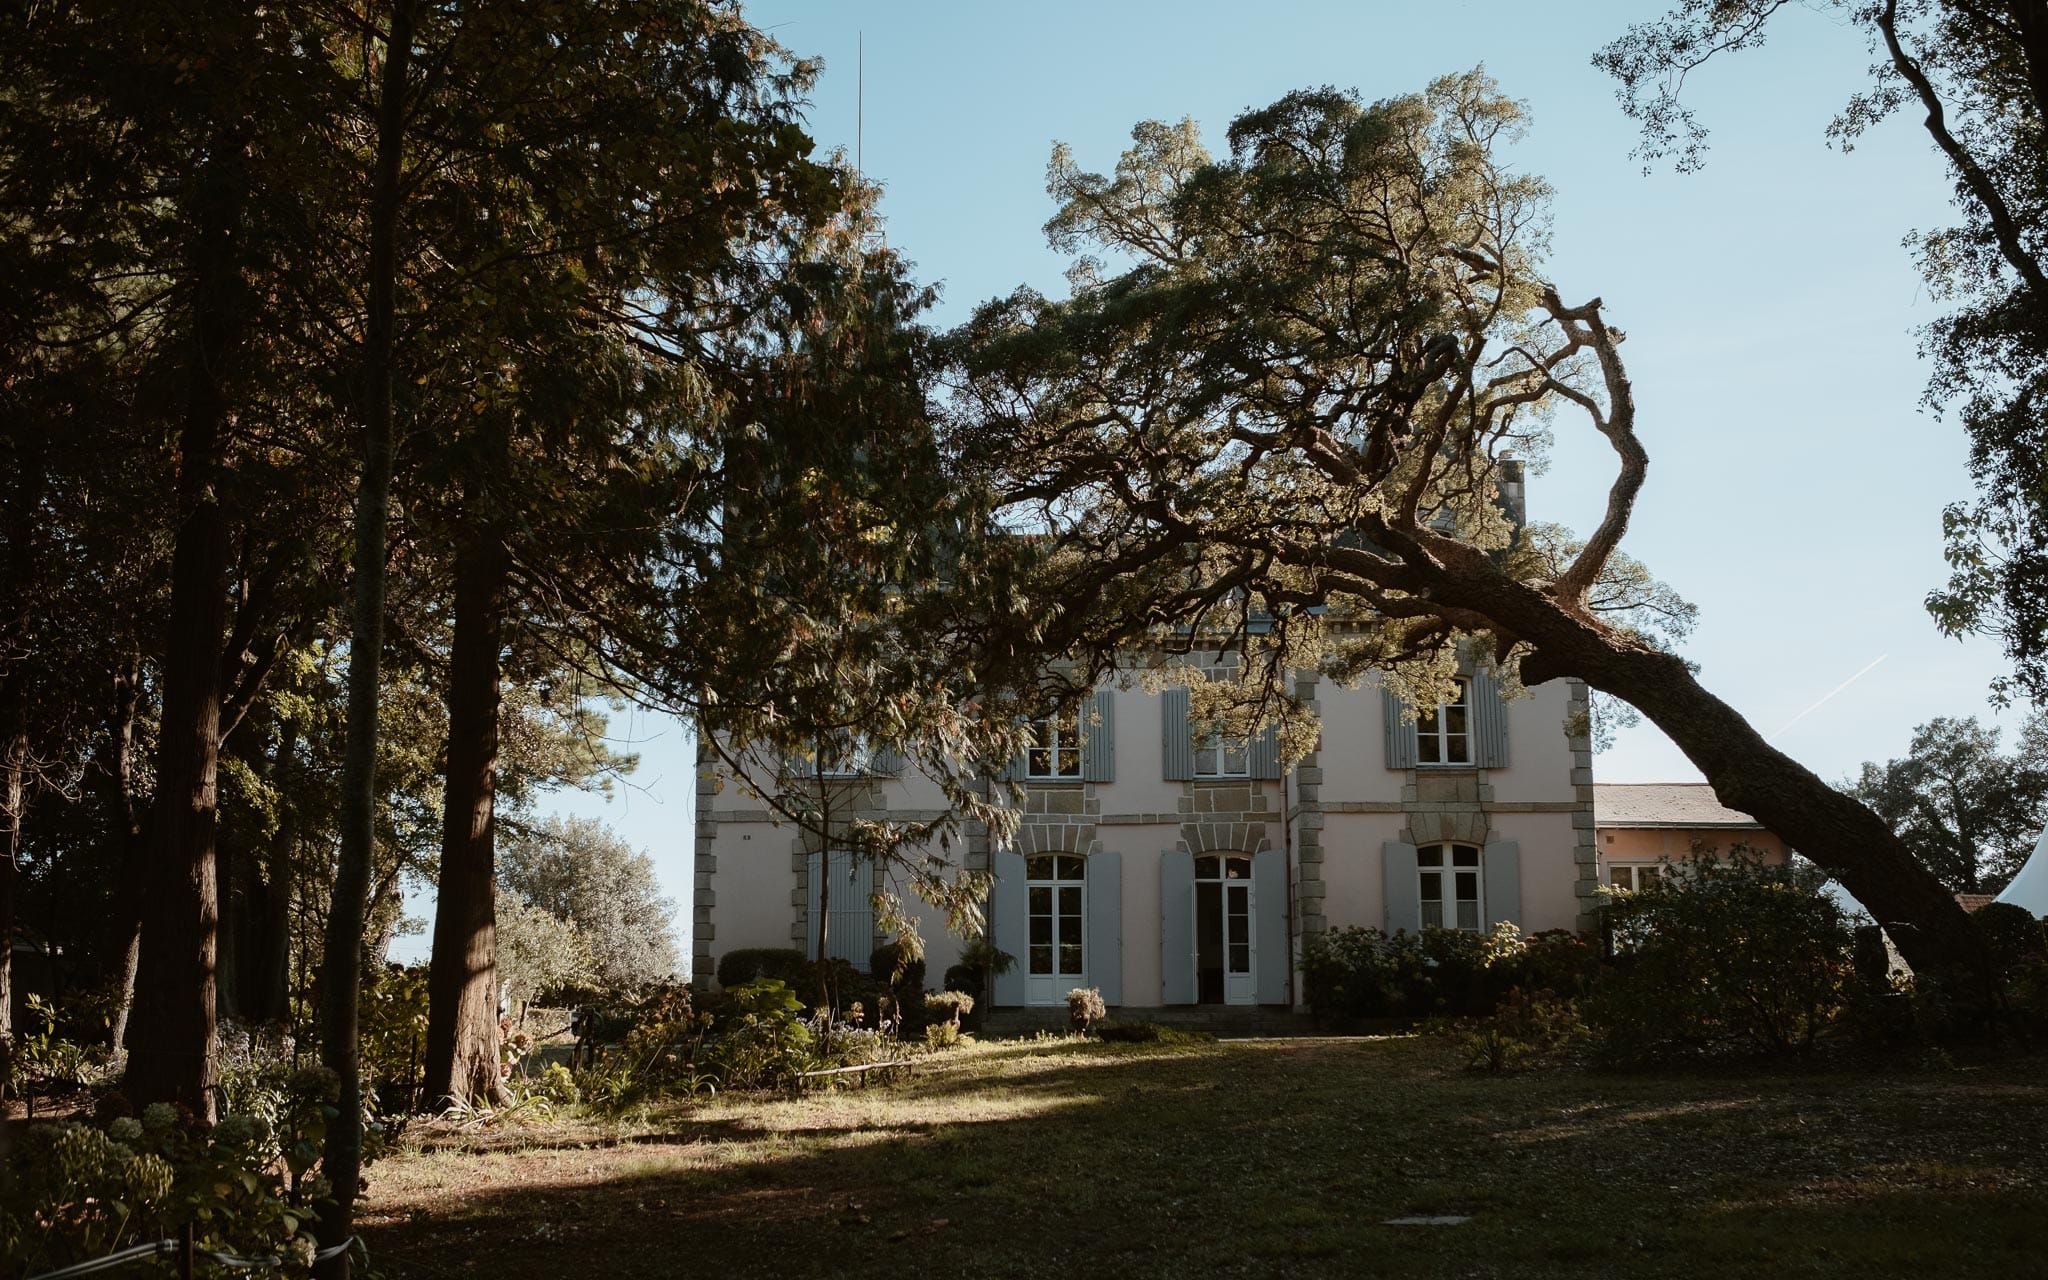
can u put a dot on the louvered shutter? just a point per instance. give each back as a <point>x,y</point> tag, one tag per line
<point>1403,884</point>
<point>1177,927</point>
<point>1400,732</point>
<point>1179,742</point>
<point>1105,949</point>
<point>1265,752</point>
<point>1489,723</point>
<point>1098,737</point>
<point>1010,924</point>
<point>1272,955</point>
<point>1502,863</point>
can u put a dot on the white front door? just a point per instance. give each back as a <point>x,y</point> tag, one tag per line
<point>1224,921</point>
<point>1056,960</point>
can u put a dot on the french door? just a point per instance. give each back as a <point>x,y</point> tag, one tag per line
<point>1223,930</point>
<point>1057,959</point>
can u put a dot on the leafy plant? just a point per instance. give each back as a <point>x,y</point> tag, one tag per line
<point>1084,1009</point>
<point>1733,952</point>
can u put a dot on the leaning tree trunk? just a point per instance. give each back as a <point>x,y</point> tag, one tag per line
<point>341,976</point>
<point>171,1058</point>
<point>462,980</point>
<point>1748,774</point>
<point>13,796</point>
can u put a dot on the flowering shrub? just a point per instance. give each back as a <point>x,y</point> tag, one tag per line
<point>1084,1009</point>
<point>71,1193</point>
<point>1366,973</point>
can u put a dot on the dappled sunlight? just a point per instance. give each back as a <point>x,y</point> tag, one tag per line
<point>1592,1118</point>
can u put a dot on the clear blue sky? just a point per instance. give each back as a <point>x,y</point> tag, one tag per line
<point>1795,486</point>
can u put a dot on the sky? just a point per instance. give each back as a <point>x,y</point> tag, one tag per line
<point>1795,486</point>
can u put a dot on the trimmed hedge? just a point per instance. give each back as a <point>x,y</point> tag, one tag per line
<point>785,964</point>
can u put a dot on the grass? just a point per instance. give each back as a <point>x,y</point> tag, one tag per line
<point>1257,1158</point>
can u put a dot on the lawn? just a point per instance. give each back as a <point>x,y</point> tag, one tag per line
<point>1257,1158</point>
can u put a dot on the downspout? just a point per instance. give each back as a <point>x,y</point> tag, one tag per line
<point>1287,844</point>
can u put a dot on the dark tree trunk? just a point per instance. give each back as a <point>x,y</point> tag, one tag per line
<point>171,1058</point>
<point>1747,773</point>
<point>462,981</point>
<point>117,775</point>
<point>14,796</point>
<point>341,971</point>
<point>229,862</point>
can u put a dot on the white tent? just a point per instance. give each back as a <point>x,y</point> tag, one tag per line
<point>2029,888</point>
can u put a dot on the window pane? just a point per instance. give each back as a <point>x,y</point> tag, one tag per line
<point>1457,749</point>
<point>1432,887</point>
<point>1237,868</point>
<point>1432,915</point>
<point>1070,902</point>
<point>1041,733</point>
<point>1240,957</point>
<point>1041,958</point>
<point>1468,886</point>
<point>1621,877</point>
<point>1205,868</point>
<point>1237,758</point>
<point>1462,856</point>
<point>1454,720</point>
<point>1069,762</point>
<point>1070,957</point>
<point>1041,901</point>
<point>1041,930</point>
<point>1427,749</point>
<point>1038,867</point>
<point>1205,760</point>
<point>1433,856</point>
<point>1038,762</point>
<point>1468,915</point>
<point>1071,867</point>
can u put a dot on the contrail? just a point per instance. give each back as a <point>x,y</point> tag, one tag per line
<point>1829,694</point>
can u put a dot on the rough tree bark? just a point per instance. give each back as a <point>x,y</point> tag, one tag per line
<point>341,973</point>
<point>171,1058</point>
<point>128,834</point>
<point>462,980</point>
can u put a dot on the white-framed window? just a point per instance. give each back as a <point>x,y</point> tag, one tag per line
<point>1631,876</point>
<point>1054,749</point>
<point>1453,892</point>
<point>1057,887</point>
<point>847,753</point>
<point>1222,756</point>
<point>1443,734</point>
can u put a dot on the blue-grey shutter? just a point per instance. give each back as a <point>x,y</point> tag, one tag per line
<point>886,760</point>
<point>1403,882</point>
<point>1009,918</point>
<point>814,879</point>
<point>1266,752</point>
<point>1105,949</point>
<point>1177,927</point>
<point>1502,882</point>
<point>1400,732</point>
<point>850,933</point>
<point>1272,953</point>
<point>1489,723</point>
<point>1179,740</point>
<point>1098,738</point>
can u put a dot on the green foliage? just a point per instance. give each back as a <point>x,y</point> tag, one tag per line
<point>761,1040</point>
<point>1966,809</point>
<point>1731,953</point>
<point>1493,1050</point>
<point>2016,939</point>
<point>785,964</point>
<point>539,952</point>
<point>582,873</point>
<point>941,1034</point>
<point>1084,1009</point>
<point>45,1062</point>
<point>392,1030</point>
<point>1367,973</point>
<point>948,1006</point>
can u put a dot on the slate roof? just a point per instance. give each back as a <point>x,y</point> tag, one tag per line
<point>1664,804</point>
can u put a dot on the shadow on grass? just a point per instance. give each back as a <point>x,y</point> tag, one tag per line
<point>1283,1158</point>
